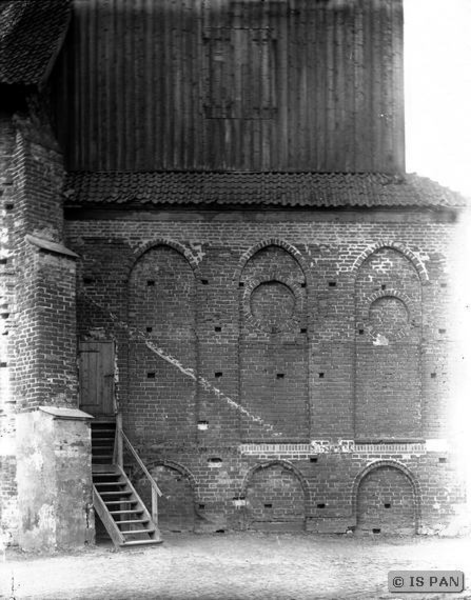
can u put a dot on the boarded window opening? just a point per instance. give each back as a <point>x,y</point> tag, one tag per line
<point>239,73</point>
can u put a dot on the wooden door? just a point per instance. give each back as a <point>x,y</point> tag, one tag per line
<point>96,377</point>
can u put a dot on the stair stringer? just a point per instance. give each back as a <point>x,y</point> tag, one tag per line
<point>156,534</point>
<point>107,519</point>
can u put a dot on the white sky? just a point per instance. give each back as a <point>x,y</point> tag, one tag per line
<point>438,90</point>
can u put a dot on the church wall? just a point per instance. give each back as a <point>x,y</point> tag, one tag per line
<point>277,374</point>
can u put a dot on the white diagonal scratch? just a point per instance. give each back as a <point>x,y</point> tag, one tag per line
<point>189,372</point>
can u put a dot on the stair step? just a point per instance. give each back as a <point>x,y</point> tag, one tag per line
<point>108,502</point>
<point>141,543</point>
<point>134,531</point>
<point>133,521</point>
<point>121,493</point>
<point>115,483</point>
<point>126,512</point>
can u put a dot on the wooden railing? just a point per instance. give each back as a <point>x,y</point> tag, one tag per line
<point>122,441</point>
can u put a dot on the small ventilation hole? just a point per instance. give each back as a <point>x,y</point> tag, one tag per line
<point>88,280</point>
<point>151,375</point>
<point>313,459</point>
<point>280,375</point>
<point>149,329</point>
<point>150,282</point>
<point>387,505</point>
<point>442,331</point>
<point>303,330</point>
<point>3,365</point>
<point>241,284</point>
<point>442,459</point>
<point>332,283</point>
<point>383,287</point>
<point>201,506</point>
<point>3,261</point>
<point>361,331</point>
<point>218,329</point>
<point>9,206</point>
<point>268,505</point>
<point>303,285</point>
<point>433,375</point>
<point>321,375</point>
<point>204,281</point>
<point>218,374</point>
<point>321,505</point>
<point>376,530</point>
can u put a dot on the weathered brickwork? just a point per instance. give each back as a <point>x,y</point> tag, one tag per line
<point>386,503</point>
<point>285,331</point>
<point>273,344</point>
<point>38,355</point>
<point>388,334</point>
<point>8,499</point>
<point>162,304</point>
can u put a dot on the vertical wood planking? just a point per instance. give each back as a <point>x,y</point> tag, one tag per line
<point>398,86</point>
<point>134,89</point>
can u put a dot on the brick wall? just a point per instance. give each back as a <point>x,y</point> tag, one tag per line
<point>280,360</point>
<point>162,305</point>
<point>8,280</point>
<point>388,298</point>
<point>273,344</point>
<point>37,288</point>
<point>386,503</point>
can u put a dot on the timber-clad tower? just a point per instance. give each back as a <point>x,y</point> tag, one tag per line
<point>222,294</point>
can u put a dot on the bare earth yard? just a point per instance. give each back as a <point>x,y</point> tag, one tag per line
<point>238,566</point>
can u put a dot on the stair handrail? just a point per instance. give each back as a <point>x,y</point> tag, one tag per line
<point>156,492</point>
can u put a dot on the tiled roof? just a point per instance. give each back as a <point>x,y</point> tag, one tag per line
<point>31,34</point>
<point>257,189</point>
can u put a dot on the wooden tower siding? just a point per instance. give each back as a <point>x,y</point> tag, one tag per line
<point>245,85</point>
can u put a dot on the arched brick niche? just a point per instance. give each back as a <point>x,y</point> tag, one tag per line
<point>388,311</point>
<point>276,497</point>
<point>177,504</point>
<point>386,500</point>
<point>273,344</point>
<point>162,305</point>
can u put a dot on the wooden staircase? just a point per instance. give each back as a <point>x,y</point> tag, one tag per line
<point>121,510</point>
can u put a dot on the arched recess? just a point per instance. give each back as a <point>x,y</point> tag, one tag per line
<point>273,342</point>
<point>399,247</point>
<point>161,305</point>
<point>183,250</point>
<point>176,506</point>
<point>295,253</point>
<point>386,499</point>
<point>276,497</point>
<point>388,333</point>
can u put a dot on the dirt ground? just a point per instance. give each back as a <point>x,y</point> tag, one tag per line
<point>238,566</point>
